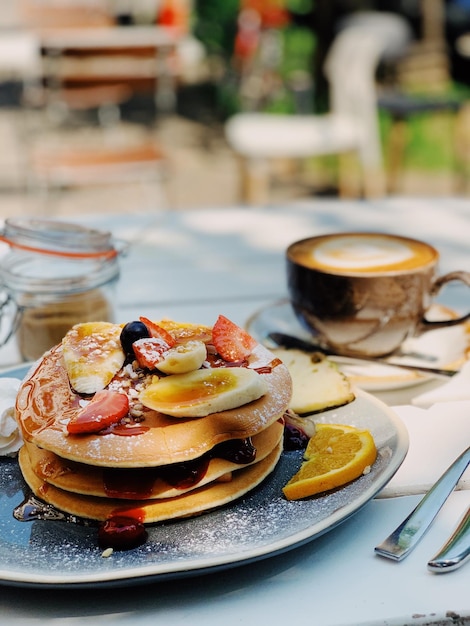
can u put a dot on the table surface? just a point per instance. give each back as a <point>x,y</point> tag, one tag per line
<point>193,265</point>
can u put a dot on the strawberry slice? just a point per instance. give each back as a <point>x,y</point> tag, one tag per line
<point>158,332</point>
<point>104,409</point>
<point>149,350</point>
<point>231,342</point>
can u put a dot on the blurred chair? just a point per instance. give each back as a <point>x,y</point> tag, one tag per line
<point>85,69</point>
<point>97,165</point>
<point>350,128</point>
<point>416,80</point>
<point>87,62</point>
<point>402,107</point>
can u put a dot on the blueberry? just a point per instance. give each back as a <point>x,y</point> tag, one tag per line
<point>294,438</point>
<point>131,332</point>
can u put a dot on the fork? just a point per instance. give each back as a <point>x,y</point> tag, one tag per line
<point>456,551</point>
<point>405,537</point>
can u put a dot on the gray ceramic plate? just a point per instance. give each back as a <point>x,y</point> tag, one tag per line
<point>260,525</point>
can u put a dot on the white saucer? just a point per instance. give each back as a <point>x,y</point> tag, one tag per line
<point>444,348</point>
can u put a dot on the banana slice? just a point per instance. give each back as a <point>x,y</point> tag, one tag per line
<point>204,391</point>
<point>92,355</point>
<point>183,358</point>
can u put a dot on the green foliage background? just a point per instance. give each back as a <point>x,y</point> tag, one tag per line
<point>430,141</point>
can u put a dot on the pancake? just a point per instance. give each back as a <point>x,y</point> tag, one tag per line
<point>46,402</point>
<point>151,511</point>
<point>97,443</point>
<point>144,483</point>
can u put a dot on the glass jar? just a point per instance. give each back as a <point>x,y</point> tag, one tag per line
<point>54,275</point>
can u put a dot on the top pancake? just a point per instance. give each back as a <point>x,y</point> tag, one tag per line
<point>45,403</point>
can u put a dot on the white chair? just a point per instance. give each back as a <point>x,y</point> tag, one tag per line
<point>351,126</point>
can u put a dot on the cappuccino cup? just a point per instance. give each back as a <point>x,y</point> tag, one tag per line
<point>363,294</point>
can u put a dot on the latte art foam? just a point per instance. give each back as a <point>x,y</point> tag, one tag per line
<point>355,253</point>
<point>362,253</point>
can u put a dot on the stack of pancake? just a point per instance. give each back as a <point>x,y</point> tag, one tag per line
<point>151,465</point>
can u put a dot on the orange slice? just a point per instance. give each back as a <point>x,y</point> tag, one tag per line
<point>335,455</point>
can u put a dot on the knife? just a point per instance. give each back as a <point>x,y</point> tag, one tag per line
<point>288,341</point>
<point>456,551</point>
<point>405,537</point>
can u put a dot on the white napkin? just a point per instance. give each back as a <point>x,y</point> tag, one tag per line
<point>438,435</point>
<point>10,437</point>
<point>458,388</point>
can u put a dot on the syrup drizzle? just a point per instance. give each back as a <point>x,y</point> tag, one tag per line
<point>185,475</point>
<point>32,508</point>
<point>137,483</point>
<point>121,531</point>
<point>131,484</point>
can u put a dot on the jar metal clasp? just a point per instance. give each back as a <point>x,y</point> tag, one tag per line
<point>8,309</point>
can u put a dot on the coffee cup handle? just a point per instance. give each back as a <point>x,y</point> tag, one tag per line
<point>461,276</point>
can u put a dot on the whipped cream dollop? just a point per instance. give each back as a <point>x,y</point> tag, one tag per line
<point>10,436</point>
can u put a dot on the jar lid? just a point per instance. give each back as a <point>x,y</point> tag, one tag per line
<point>57,238</point>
